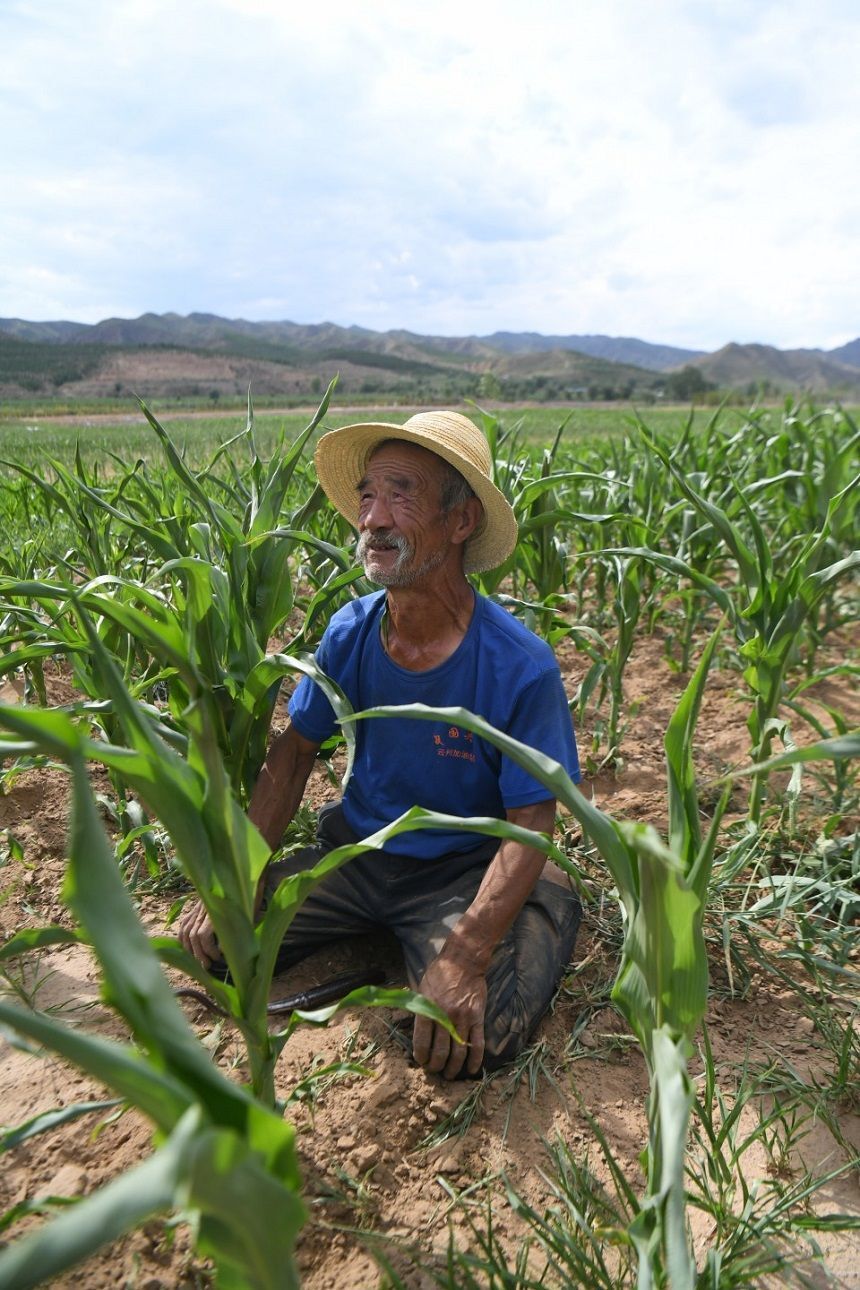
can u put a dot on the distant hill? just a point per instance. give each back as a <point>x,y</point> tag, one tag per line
<point>84,370</point>
<point>741,366</point>
<point>615,349</point>
<point>60,332</point>
<point>168,355</point>
<point>206,331</point>
<point>201,354</point>
<point>849,353</point>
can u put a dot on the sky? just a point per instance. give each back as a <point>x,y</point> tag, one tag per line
<point>684,171</point>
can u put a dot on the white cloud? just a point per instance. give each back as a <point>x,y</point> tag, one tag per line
<point>679,171</point>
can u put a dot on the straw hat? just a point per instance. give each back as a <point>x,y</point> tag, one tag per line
<point>342,456</point>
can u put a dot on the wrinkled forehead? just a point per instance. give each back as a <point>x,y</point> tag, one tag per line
<point>403,450</point>
<point>398,457</point>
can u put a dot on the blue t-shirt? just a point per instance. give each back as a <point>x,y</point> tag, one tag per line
<point>500,670</point>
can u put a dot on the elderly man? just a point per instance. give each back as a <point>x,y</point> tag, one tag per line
<point>486,928</point>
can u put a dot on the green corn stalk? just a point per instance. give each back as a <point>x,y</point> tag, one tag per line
<point>548,529</point>
<point>220,586</point>
<point>543,559</point>
<point>766,609</point>
<point>535,492</point>
<point>842,777</point>
<point>154,641</point>
<point>607,672</point>
<point>662,982</point>
<point>227,1153</point>
<point>216,846</point>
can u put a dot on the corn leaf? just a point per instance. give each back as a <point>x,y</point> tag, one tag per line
<point>47,1120</point>
<point>133,982</point>
<point>839,748</point>
<point>684,829</point>
<point>155,1092</point>
<point>39,938</point>
<point>124,1203</point>
<point>548,772</point>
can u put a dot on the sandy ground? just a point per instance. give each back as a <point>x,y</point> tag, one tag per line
<point>369,1149</point>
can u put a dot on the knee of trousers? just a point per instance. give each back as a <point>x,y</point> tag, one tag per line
<point>505,1036</point>
<point>529,980</point>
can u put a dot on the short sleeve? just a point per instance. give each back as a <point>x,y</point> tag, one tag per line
<point>541,719</point>
<point>309,709</point>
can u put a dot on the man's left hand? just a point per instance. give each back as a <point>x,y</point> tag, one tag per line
<point>461,991</point>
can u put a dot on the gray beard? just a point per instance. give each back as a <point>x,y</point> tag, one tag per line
<point>400,574</point>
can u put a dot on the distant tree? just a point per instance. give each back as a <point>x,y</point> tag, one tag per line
<point>489,386</point>
<point>687,383</point>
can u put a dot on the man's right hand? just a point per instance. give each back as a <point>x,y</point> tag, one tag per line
<point>197,935</point>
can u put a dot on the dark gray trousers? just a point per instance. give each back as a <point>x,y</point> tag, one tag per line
<point>420,901</point>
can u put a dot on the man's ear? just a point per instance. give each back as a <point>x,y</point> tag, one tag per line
<point>467,516</point>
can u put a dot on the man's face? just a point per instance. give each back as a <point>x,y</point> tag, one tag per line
<point>403,534</point>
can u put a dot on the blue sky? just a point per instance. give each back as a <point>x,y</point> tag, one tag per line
<point>684,171</point>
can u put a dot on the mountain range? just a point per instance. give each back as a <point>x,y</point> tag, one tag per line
<point>203,353</point>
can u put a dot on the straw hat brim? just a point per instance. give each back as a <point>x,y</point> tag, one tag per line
<point>341,459</point>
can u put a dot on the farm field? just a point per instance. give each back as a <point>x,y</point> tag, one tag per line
<point>689,1111</point>
<point>203,431</point>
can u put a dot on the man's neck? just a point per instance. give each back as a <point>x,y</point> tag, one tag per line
<point>426,623</point>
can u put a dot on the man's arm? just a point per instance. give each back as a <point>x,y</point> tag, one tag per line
<point>275,800</point>
<point>455,980</point>
<point>280,787</point>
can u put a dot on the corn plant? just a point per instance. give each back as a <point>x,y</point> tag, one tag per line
<point>605,677</point>
<point>221,582</point>
<point>845,789</point>
<point>227,1153</point>
<point>662,982</point>
<point>661,986</point>
<point>537,492</point>
<point>223,1152</point>
<point>767,608</point>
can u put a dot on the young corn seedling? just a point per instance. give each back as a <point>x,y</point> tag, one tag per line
<point>766,609</point>
<point>606,674</point>
<point>762,1226</point>
<point>542,559</point>
<point>547,524</point>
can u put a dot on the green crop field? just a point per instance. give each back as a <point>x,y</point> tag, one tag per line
<point>28,437</point>
<point>698,577</point>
